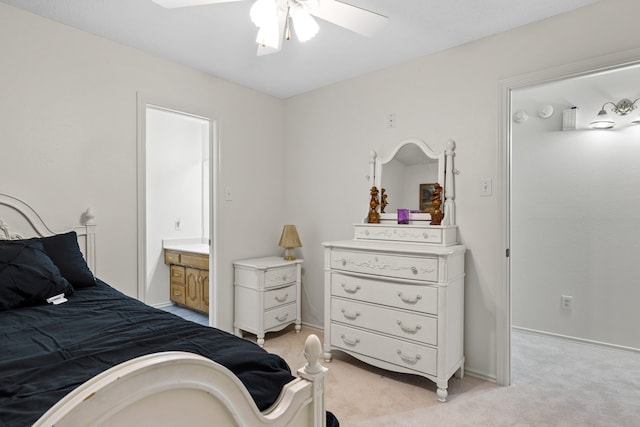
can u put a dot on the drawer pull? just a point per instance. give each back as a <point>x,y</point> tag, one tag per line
<point>349,315</point>
<point>425,235</point>
<point>414,270</point>
<point>282,318</point>
<point>410,300</point>
<point>349,342</point>
<point>408,359</point>
<point>282,299</point>
<point>176,274</point>
<point>177,293</point>
<point>408,329</point>
<point>343,262</point>
<point>350,290</point>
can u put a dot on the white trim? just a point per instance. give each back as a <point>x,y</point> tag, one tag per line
<point>576,339</point>
<point>215,162</point>
<point>576,69</point>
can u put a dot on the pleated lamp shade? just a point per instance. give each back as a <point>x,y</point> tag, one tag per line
<point>289,240</point>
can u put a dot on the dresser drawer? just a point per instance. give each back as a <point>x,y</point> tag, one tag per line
<point>177,275</point>
<point>280,276</point>
<point>419,298</point>
<point>280,296</point>
<point>407,355</point>
<point>386,320</point>
<point>405,267</point>
<point>280,315</point>
<point>400,233</point>
<point>178,294</point>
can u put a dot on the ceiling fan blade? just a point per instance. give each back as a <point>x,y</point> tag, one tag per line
<point>282,27</point>
<point>170,4</point>
<point>352,18</point>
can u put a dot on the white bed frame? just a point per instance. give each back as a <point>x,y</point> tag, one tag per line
<point>170,388</point>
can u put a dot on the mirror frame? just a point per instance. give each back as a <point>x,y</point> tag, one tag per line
<point>445,171</point>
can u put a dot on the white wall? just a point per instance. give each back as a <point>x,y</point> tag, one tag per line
<point>574,213</point>
<point>175,147</point>
<point>68,141</point>
<point>453,94</point>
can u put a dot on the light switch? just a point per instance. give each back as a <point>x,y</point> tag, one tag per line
<point>485,187</point>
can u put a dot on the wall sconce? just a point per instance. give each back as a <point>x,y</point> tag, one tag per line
<point>289,240</point>
<point>622,108</point>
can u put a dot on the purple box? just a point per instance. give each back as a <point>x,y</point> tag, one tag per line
<point>403,216</point>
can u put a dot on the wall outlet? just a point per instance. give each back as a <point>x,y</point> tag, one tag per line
<point>391,120</point>
<point>566,302</point>
<point>227,194</point>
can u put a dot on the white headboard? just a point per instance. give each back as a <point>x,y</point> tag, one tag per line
<point>18,220</point>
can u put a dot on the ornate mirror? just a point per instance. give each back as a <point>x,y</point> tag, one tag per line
<point>407,175</point>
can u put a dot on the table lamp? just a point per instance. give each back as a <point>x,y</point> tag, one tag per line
<point>289,241</point>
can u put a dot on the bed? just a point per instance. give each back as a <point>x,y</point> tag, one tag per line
<point>74,351</point>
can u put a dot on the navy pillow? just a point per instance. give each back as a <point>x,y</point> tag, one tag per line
<point>27,275</point>
<point>65,253</point>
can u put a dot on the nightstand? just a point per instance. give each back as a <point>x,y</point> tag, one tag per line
<point>267,295</point>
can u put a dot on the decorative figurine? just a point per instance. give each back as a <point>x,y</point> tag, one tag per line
<point>374,217</point>
<point>437,214</point>
<point>384,202</point>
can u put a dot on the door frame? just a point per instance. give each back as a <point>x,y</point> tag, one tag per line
<point>577,69</point>
<point>215,172</point>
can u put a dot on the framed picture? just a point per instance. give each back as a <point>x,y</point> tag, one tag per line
<point>426,191</point>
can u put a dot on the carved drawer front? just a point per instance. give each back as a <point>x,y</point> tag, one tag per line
<point>386,320</point>
<point>402,234</point>
<point>279,276</point>
<point>408,355</point>
<point>423,299</point>
<point>178,294</point>
<point>386,265</point>
<point>177,275</point>
<point>280,315</point>
<point>280,296</point>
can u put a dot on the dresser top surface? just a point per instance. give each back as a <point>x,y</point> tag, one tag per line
<point>384,246</point>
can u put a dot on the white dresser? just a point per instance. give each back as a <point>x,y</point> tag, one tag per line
<point>394,295</point>
<point>267,295</point>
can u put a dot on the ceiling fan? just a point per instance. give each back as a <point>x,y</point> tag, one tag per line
<point>274,18</point>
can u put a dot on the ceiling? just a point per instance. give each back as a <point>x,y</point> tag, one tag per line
<point>220,39</point>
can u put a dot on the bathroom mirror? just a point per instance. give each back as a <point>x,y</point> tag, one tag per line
<point>410,164</point>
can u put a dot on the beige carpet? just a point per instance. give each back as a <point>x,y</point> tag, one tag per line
<point>555,383</point>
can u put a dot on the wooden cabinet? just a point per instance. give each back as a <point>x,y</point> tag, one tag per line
<point>398,306</point>
<point>188,279</point>
<point>267,295</point>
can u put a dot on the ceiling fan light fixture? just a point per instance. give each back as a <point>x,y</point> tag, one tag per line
<point>269,35</point>
<point>263,12</point>
<point>303,23</point>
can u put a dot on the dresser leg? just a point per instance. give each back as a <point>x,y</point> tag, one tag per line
<point>237,332</point>
<point>442,394</point>
<point>298,328</point>
<point>261,340</point>
<point>327,356</point>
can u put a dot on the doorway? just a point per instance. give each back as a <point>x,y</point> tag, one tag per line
<point>177,170</point>
<point>511,87</point>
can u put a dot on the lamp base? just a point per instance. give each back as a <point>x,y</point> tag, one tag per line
<point>289,254</point>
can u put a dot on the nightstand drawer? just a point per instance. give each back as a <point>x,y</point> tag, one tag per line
<point>177,275</point>
<point>280,296</point>
<point>405,267</point>
<point>279,316</point>
<point>280,276</point>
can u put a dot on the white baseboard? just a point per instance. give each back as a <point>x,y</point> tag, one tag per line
<point>576,339</point>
